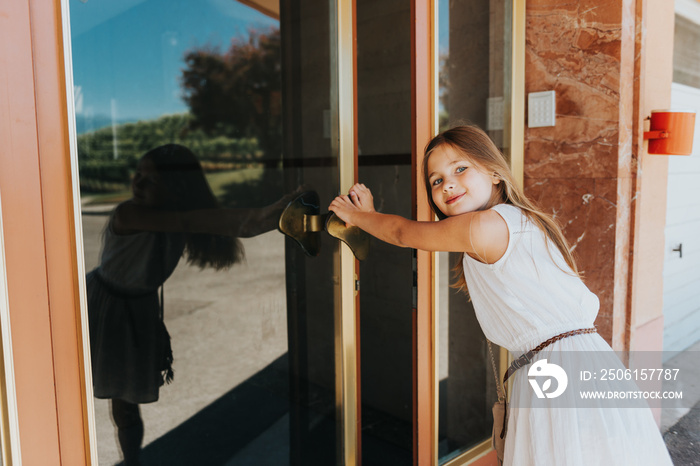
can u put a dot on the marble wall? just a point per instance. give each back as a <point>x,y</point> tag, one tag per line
<point>584,170</point>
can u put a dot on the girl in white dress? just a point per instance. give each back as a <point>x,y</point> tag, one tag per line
<point>172,213</point>
<point>526,289</point>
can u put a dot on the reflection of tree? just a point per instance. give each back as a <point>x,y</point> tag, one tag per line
<point>234,123</point>
<point>238,93</point>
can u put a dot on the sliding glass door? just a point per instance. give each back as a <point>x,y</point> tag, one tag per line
<point>298,353</point>
<point>247,87</point>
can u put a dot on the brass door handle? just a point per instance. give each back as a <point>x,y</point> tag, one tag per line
<point>302,221</point>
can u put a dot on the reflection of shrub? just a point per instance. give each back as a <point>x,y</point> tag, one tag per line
<point>104,176</point>
<point>106,165</point>
<point>115,171</point>
<point>135,139</point>
<point>98,186</point>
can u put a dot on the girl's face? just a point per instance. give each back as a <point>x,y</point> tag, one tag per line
<point>147,187</point>
<point>457,184</point>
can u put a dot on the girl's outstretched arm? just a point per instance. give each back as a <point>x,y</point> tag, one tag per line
<point>482,234</point>
<point>130,217</point>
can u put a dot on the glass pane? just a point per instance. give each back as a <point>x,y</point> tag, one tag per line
<point>386,293</point>
<point>474,49</point>
<point>245,87</point>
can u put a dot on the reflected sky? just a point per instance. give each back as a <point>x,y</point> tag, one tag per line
<point>444,26</point>
<point>128,54</point>
<point>145,42</point>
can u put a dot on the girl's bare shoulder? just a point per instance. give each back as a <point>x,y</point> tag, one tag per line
<point>489,235</point>
<point>122,218</point>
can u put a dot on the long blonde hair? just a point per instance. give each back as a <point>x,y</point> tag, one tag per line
<point>188,189</point>
<point>475,145</point>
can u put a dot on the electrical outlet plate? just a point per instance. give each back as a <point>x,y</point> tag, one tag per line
<point>541,109</point>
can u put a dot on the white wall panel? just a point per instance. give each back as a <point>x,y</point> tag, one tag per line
<point>682,274</point>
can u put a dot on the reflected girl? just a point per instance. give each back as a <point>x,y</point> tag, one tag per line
<point>172,213</point>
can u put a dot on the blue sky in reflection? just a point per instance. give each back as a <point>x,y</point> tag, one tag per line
<point>128,54</point>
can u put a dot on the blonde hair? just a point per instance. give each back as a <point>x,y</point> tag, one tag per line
<point>475,145</point>
<point>188,189</point>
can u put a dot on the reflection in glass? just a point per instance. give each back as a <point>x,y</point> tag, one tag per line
<point>245,91</point>
<point>474,58</point>
<point>475,76</point>
<point>386,290</point>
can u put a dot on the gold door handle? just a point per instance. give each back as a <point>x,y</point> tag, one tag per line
<point>356,239</point>
<point>301,220</point>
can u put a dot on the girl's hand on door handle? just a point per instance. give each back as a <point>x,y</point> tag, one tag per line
<point>358,199</point>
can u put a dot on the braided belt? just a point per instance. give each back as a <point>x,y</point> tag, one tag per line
<point>526,358</point>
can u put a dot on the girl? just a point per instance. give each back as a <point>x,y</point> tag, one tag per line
<point>172,212</point>
<point>526,290</point>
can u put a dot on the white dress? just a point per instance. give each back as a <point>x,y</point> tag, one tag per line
<point>524,299</point>
<point>129,344</point>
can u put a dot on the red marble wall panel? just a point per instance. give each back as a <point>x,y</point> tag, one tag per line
<point>573,169</point>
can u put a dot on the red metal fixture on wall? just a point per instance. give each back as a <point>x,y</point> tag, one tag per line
<point>671,132</point>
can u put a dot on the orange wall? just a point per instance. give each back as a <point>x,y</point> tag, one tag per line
<point>422,112</point>
<point>39,234</point>
<point>656,75</point>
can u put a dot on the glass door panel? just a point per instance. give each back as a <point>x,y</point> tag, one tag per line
<point>474,43</point>
<point>310,160</point>
<point>386,277</point>
<point>247,88</point>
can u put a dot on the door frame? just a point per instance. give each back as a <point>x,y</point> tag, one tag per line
<point>424,76</point>
<point>45,278</point>
<point>347,309</point>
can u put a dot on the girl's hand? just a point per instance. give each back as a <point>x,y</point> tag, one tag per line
<point>359,199</point>
<point>362,198</point>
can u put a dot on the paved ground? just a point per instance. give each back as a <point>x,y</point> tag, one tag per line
<point>225,327</point>
<point>680,421</point>
<point>683,439</point>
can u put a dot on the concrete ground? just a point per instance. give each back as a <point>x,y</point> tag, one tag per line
<point>680,420</point>
<point>225,327</point>
<point>683,439</point>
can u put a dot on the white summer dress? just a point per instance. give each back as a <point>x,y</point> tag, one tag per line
<point>129,345</point>
<point>524,299</point>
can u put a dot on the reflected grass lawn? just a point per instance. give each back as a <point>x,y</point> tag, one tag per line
<point>220,180</point>
<point>220,183</point>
